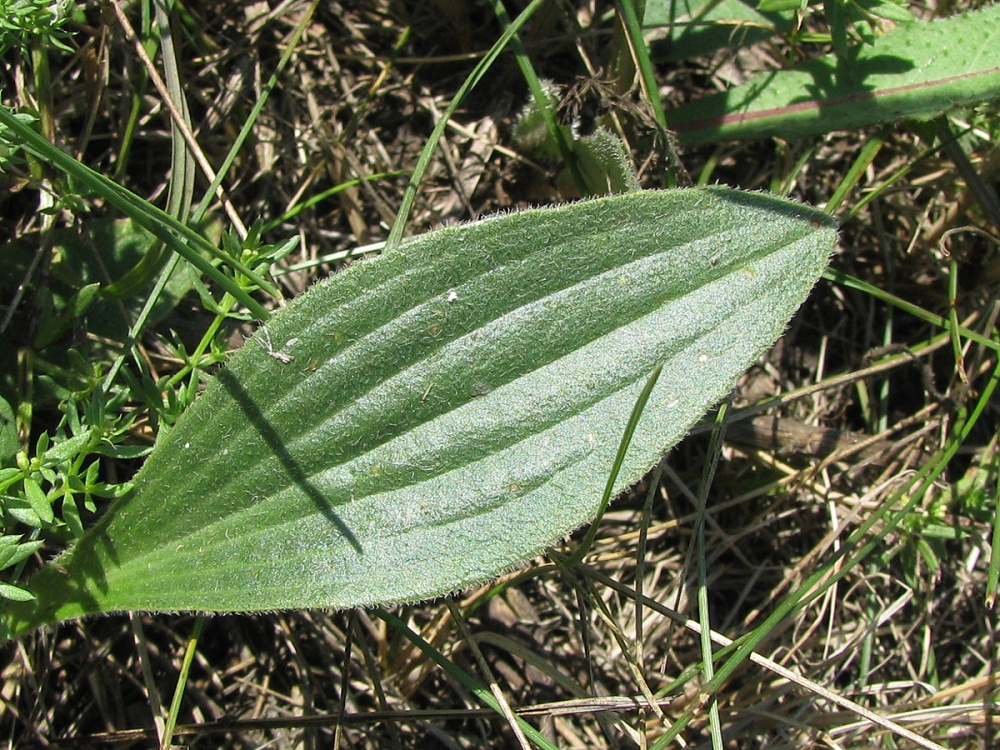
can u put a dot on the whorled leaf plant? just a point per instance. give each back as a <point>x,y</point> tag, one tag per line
<point>427,419</point>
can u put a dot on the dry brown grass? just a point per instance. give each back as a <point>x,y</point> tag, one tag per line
<point>577,652</point>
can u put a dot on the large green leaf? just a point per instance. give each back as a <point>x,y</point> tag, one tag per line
<point>919,69</point>
<point>428,419</point>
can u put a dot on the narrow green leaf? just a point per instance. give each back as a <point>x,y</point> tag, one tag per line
<point>891,11</point>
<point>14,593</point>
<point>770,6</point>
<point>425,420</point>
<point>11,554</point>
<point>919,69</point>
<point>38,500</point>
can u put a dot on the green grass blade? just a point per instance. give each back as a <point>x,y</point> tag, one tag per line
<point>848,281</point>
<point>181,238</point>
<point>399,226</point>
<point>255,111</point>
<point>542,101</point>
<point>860,545</point>
<point>481,692</point>
<point>633,29</point>
<point>610,486</point>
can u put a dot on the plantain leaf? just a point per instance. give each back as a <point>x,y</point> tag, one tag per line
<point>425,420</point>
<point>918,70</point>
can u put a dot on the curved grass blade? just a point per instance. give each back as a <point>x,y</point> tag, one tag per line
<point>182,239</point>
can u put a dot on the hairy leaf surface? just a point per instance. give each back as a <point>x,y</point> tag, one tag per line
<point>427,419</point>
<point>919,70</point>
